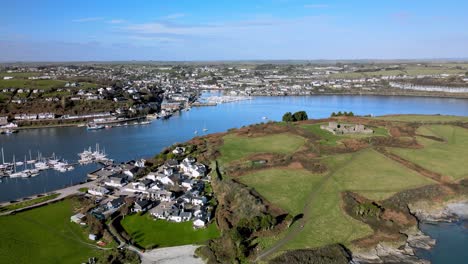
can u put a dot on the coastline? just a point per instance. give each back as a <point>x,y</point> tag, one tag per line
<point>406,252</point>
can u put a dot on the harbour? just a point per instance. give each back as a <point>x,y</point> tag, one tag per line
<point>124,143</point>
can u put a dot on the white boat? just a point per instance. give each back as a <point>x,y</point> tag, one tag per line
<point>93,126</point>
<point>18,175</point>
<point>41,165</point>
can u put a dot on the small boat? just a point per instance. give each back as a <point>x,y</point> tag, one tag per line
<point>9,131</point>
<point>93,126</point>
<point>264,118</point>
<point>195,132</point>
<point>145,123</point>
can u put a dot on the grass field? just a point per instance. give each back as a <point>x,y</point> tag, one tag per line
<point>44,235</point>
<point>286,188</point>
<point>447,158</point>
<point>423,118</point>
<point>411,70</point>
<point>373,175</point>
<point>367,172</point>
<point>237,147</point>
<point>34,84</point>
<point>328,138</point>
<point>150,233</point>
<point>327,222</point>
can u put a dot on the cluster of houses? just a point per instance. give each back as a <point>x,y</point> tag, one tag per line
<point>174,192</point>
<point>340,129</point>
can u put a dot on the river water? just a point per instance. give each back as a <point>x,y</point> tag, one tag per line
<point>452,242</point>
<point>131,142</point>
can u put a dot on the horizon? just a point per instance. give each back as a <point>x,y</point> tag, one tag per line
<point>187,31</point>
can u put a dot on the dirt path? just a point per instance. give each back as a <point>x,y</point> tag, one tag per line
<point>297,228</point>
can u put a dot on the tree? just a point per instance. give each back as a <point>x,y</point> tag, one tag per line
<point>333,114</point>
<point>350,114</point>
<point>95,225</point>
<point>300,115</point>
<point>339,113</point>
<point>288,117</point>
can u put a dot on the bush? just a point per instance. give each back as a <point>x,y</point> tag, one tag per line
<point>298,116</point>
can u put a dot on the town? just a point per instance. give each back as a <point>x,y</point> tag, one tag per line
<point>60,94</point>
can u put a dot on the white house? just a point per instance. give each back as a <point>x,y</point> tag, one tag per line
<point>98,190</point>
<point>198,223</point>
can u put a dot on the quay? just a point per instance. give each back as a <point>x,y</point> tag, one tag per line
<point>63,193</point>
<point>199,104</point>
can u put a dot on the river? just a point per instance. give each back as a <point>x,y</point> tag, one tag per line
<point>452,242</point>
<point>132,142</point>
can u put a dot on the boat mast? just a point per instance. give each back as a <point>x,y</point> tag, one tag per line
<point>3,157</point>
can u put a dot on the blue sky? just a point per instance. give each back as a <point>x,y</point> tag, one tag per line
<point>232,30</point>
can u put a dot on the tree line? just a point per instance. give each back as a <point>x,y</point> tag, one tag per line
<point>297,116</point>
<point>342,114</point>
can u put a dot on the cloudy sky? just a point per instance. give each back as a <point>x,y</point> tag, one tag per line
<point>232,30</point>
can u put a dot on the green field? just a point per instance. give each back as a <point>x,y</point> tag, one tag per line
<point>410,70</point>
<point>423,118</point>
<point>32,84</point>
<point>44,235</point>
<point>286,188</point>
<point>447,158</point>
<point>150,233</point>
<point>328,138</point>
<point>238,147</point>
<point>327,223</point>
<point>373,175</point>
<point>367,172</point>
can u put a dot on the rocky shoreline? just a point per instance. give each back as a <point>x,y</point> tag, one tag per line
<point>391,253</point>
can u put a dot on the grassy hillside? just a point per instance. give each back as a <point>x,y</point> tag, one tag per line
<point>423,118</point>
<point>237,147</point>
<point>44,235</point>
<point>361,168</point>
<point>447,158</point>
<point>287,188</point>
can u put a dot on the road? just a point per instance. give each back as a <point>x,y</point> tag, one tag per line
<point>65,192</point>
<point>171,255</point>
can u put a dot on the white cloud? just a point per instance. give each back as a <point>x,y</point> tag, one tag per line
<point>173,16</point>
<point>87,19</point>
<point>221,28</point>
<point>116,21</point>
<point>314,6</point>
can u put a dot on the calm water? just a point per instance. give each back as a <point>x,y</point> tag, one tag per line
<point>452,243</point>
<point>125,143</point>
